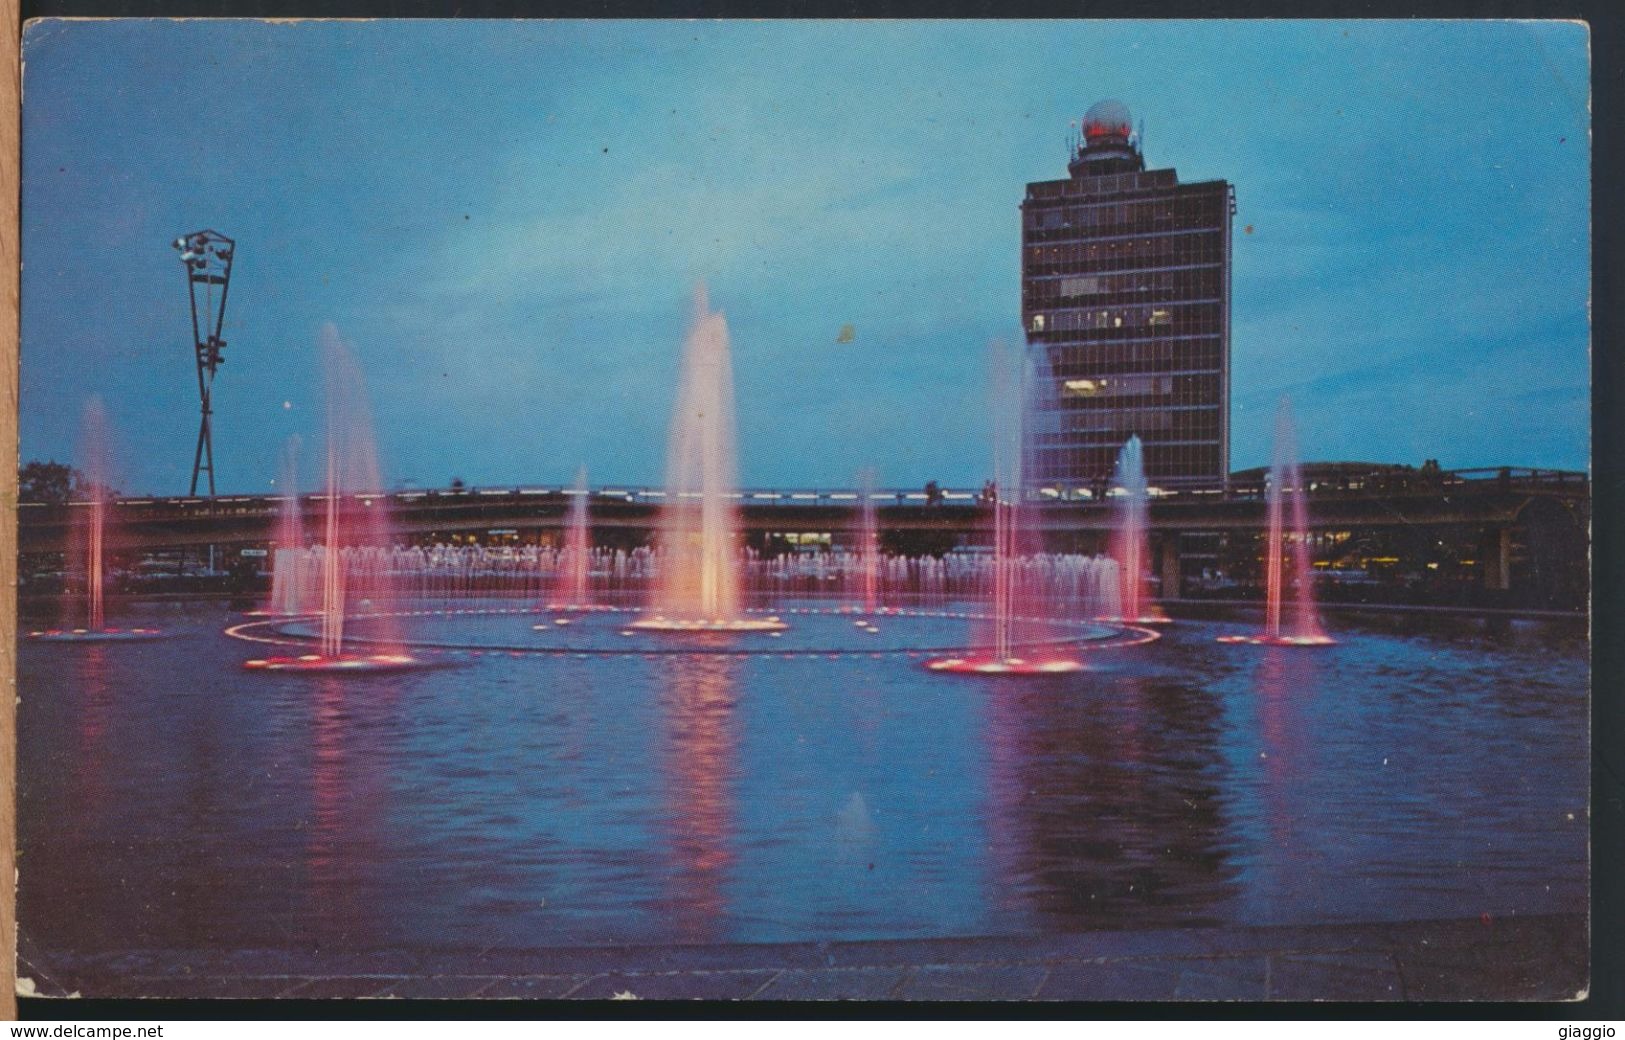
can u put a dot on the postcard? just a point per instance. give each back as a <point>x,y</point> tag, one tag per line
<point>920,511</point>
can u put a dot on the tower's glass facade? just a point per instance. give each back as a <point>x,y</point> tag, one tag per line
<point>1126,304</point>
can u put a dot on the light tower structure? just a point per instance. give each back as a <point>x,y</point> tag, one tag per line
<point>207,256</point>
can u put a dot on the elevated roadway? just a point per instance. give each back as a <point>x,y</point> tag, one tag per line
<point>1478,498</point>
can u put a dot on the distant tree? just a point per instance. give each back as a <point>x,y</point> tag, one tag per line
<point>51,482</point>
<point>457,484</point>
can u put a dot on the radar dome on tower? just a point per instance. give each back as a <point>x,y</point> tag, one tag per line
<point>1107,144</point>
<point>1105,120</point>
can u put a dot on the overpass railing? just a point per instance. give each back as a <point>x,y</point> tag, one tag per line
<point>269,505</point>
<point>1364,484</point>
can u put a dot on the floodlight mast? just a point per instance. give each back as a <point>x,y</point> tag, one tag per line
<point>207,256</point>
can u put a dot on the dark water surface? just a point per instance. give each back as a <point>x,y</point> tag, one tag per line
<point>1422,768</point>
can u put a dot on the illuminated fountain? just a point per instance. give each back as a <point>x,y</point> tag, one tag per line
<point>352,520</point>
<point>1129,545</point>
<point>295,572</point>
<point>698,587</point>
<point>694,583</point>
<point>868,543</point>
<point>572,574</point>
<point>1285,481</point>
<point>91,539</point>
<point>1018,625</point>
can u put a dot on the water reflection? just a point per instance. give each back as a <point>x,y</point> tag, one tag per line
<point>91,755</point>
<point>350,794</point>
<point>1107,792</point>
<point>698,701</point>
<point>327,779</point>
<point>1285,682</point>
<point>203,885</point>
<point>529,802</point>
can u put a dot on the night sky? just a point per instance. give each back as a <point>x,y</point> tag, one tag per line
<point>507,221</point>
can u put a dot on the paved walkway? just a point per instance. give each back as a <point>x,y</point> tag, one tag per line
<point>1527,958</point>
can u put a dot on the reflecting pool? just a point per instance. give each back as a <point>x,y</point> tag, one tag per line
<point>1423,767</point>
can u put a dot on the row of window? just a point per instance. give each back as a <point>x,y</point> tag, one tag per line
<point>1188,283</point>
<point>1096,391</point>
<point>1162,213</point>
<point>1105,185</point>
<point>1089,439</point>
<point>1124,254</point>
<point>1116,425</point>
<point>1174,318</point>
<point>1112,264</point>
<point>1116,386</point>
<point>1101,337</point>
<point>1165,464</point>
<point>1068,233</point>
<point>1203,353</point>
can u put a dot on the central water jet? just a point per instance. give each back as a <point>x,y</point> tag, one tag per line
<point>572,578</point>
<point>868,542</point>
<point>698,586</point>
<point>1286,483</point>
<point>1130,546</point>
<point>355,522</point>
<point>1020,622</point>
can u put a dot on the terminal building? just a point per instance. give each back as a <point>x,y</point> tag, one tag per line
<point>1125,299</point>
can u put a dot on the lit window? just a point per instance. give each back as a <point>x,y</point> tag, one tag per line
<point>1038,323</point>
<point>1161,317</point>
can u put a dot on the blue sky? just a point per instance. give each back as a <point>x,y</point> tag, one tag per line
<point>507,220</point>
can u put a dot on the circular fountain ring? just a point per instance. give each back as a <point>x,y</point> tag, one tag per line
<point>1263,640</point>
<point>352,663</point>
<point>660,623</point>
<point>989,664</point>
<point>96,635</point>
<point>1093,635</point>
<point>315,664</point>
<point>972,662</point>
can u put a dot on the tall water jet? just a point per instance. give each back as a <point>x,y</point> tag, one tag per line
<point>698,587</point>
<point>95,609</point>
<point>1286,482</point>
<point>1129,544</point>
<point>291,583</point>
<point>572,580</point>
<point>333,585</point>
<point>868,542</point>
<point>356,531</point>
<point>1017,626</point>
<point>88,540</point>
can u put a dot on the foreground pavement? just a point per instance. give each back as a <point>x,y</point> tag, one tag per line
<point>1520,958</point>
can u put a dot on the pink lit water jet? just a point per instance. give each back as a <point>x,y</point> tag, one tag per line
<point>96,472</point>
<point>1018,618</point>
<point>868,542</point>
<point>572,580</point>
<point>1286,481</point>
<point>1129,543</point>
<point>353,520</point>
<point>91,537</point>
<point>293,579</point>
<point>698,585</point>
